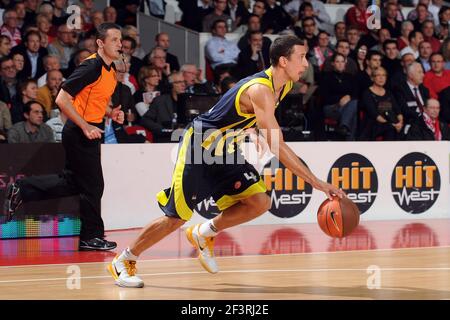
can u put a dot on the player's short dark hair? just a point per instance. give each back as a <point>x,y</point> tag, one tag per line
<point>103,29</point>
<point>283,47</point>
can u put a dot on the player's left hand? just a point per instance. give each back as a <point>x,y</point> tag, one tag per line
<point>118,115</point>
<point>330,190</point>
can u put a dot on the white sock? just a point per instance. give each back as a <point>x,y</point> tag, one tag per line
<point>127,255</point>
<point>208,229</point>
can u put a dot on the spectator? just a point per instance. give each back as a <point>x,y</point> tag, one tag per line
<point>259,9</point>
<point>148,80</point>
<point>425,52</point>
<point>20,9</point>
<point>397,78</point>
<point>342,47</point>
<point>436,79</point>
<point>9,27</point>
<point>434,9</point>
<point>421,6</point>
<point>33,54</point>
<point>238,12</point>
<point>358,15</point>
<point>446,53</point>
<point>383,35</point>
<point>46,10</point>
<point>414,38</point>
<point>444,17</point>
<point>27,91</point>
<point>422,16</point>
<point>361,53</point>
<point>30,12</point>
<point>319,13</point>
<point>51,62</point>
<point>428,126</point>
<point>277,15</point>
<point>338,92</point>
<point>160,117</point>
<point>162,40</point>
<point>340,31</point>
<point>43,24</point>
<point>383,116</point>
<point>8,80</point>
<point>5,46</point>
<point>353,36</point>
<point>88,44</point>
<point>253,24</point>
<point>110,14</point>
<point>122,96</point>
<point>5,122</point>
<point>220,51</point>
<point>127,14</point>
<point>157,59</point>
<point>195,83</point>
<point>33,129</point>
<point>403,40</point>
<point>124,72</point>
<point>19,61</point>
<point>132,31</point>
<point>157,8</point>
<point>390,61</point>
<point>390,22</point>
<point>309,31</point>
<point>411,94</point>
<point>194,12</point>
<point>428,35</point>
<point>253,59</point>
<point>322,51</point>
<point>444,99</point>
<point>128,48</point>
<point>60,15</point>
<point>62,46</point>
<point>46,95</point>
<point>217,14</point>
<point>364,78</point>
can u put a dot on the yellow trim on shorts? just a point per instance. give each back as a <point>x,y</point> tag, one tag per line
<point>227,201</point>
<point>181,206</point>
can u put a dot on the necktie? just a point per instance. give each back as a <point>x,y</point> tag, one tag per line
<point>419,104</point>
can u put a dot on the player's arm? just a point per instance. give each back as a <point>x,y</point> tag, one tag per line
<point>263,103</point>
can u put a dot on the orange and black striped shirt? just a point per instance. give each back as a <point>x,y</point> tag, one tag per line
<point>91,84</point>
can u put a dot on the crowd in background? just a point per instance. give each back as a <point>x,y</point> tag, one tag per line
<point>388,82</point>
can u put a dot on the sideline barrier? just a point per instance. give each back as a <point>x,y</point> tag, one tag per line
<point>388,180</point>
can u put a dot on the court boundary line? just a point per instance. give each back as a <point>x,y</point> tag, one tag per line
<point>232,271</point>
<point>228,257</point>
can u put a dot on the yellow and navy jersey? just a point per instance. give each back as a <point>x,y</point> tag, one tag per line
<point>225,121</point>
<point>91,84</point>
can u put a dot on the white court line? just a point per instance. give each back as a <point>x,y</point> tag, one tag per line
<point>228,257</point>
<point>232,271</point>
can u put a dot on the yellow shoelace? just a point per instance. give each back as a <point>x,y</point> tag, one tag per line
<point>131,267</point>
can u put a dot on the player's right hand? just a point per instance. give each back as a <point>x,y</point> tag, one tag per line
<point>330,190</point>
<point>92,132</point>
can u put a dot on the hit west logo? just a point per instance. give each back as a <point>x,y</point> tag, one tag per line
<point>289,194</point>
<point>356,175</point>
<point>415,182</point>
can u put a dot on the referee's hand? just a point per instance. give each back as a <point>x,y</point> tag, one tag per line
<point>92,132</point>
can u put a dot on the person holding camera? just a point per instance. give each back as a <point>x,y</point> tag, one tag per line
<point>383,117</point>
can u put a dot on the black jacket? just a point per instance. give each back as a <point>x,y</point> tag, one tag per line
<point>26,71</point>
<point>407,102</point>
<point>420,131</point>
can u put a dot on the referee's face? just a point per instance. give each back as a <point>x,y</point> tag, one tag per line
<point>113,43</point>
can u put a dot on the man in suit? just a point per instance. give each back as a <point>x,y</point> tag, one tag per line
<point>411,94</point>
<point>428,126</point>
<point>162,40</point>
<point>254,58</point>
<point>160,117</point>
<point>33,54</point>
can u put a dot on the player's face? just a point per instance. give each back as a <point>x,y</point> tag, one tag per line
<point>297,63</point>
<point>113,43</point>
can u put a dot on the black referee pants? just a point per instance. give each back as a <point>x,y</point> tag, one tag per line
<point>82,176</point>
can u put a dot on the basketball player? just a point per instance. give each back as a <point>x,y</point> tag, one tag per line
<point>84,98</point>
<point>237,189</point>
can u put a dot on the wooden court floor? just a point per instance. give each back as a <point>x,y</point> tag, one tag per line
<point>414,266</point>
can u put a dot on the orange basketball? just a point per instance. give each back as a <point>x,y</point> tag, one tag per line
<point>338,217</point>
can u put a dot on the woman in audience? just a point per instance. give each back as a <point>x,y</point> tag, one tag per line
<point>148,80</point>
<point>383,118</point>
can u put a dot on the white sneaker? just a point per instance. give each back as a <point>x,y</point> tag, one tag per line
<point>205,248</point>
<point>124,272</point>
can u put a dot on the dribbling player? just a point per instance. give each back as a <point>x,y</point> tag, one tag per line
<point>236,188</point>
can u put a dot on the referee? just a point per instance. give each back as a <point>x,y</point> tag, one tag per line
<point>83,98</point>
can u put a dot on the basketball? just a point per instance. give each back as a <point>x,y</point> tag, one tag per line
<point>338,217</point>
